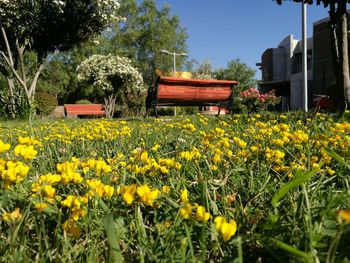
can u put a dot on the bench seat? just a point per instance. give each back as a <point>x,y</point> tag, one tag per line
<point>170,91</point>
<point>84,109</point>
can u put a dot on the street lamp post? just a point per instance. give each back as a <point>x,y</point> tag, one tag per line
<point>304,56</point>
<point>174,54</point>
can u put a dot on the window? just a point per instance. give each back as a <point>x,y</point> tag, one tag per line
<point>297,62</point>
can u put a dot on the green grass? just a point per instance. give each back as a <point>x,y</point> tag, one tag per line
<point>282,178</point>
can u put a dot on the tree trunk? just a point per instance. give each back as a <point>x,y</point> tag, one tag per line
<point>343,69</point>
<point>21,76</point>
<point>110,105</point>
<point>11,87</point>
<point>332,24</point>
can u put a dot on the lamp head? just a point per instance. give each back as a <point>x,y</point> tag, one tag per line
<point>165,51</point>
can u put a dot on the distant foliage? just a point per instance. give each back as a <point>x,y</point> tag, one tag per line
<point>45,103</point>
<point>149,28</point>
<point>112,75</point>
<point>83,101</point>
<point>204,71</point>
<point>12,106</point>
<point>44,27</point>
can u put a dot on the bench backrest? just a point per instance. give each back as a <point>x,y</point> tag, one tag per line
<point>81,108</point>
<point>192,92</point>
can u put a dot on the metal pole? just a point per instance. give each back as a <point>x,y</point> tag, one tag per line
<point>304,56</point>
<point>174,77</point>
<point>174,64</point>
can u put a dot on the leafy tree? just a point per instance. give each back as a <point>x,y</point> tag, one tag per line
<point>339,39</point>
<point>59,76</point>
<point>239,71</point>
<point>204,70</point>
<point>112,76</point>
<point>146,31</point>
<point>44,27</point>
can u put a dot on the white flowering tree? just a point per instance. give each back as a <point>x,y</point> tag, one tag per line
<point>44,27</point>
<point>112,75</point>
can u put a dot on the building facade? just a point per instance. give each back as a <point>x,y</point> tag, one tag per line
<point>282,71</point>
<point>282,68</point>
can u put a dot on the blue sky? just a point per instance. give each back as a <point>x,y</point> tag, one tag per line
<point>222,30</point>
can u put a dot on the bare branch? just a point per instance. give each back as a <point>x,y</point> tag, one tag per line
<point>4,35</point>
<point>20,51</point>
<point>34,82</point>
<point>18,77</point>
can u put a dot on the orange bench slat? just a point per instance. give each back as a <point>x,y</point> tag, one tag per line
<point>84,109</point>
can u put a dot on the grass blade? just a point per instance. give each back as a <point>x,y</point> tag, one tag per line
<point>299,179</point>
<point>112,237</point>
<point>337,157</point>
<point>291,249</point>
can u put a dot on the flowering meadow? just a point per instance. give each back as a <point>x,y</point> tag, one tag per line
<point>243,188</point>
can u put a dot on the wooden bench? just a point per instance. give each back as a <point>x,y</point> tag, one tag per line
<point>84,110</point>
<point>322,102</point>
<point>169,91</point>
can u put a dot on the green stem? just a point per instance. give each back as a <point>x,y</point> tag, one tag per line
<point>291,249</point>
<point>239,250</point>
<point>333,246</point>
<point>188,235</point>
<point>309,221</point>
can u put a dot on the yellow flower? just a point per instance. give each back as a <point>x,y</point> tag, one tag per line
<point>14,216</point>
<point>144,157</point>
<point>71,201</point>
<point>213,167</point>
<point>201,214</point>
<point>4,147</point>
<point>27,152</point>
<point>155,148</point>
<point>227,230</point>
<point>147,196</point>
<point>177,166</point>
<point>50,178</point>
<point>330,171</point>
<point>242,144</point>
<point>108,191</point>
<point>164,170</point>
<point>184,196</point>
<point>13,172</point>
<point>128,193</point>
<point>216,158</point>
<point>344,215</point>
<point>122,164</point>
<point>278,142</point>
<point>254,148</point>
<point>219,220</point>
<point>40,207</point>
<point>186,211</point>
<point>166,189</point>
<point>71,227</point>
<point>49,191</point>
<point>77,213</point>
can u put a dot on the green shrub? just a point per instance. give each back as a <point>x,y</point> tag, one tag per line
<point>45,103</point>
<point>83,101</point>
<point>187,110</point>
<point>165,111</point>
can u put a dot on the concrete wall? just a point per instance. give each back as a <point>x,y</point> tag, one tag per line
<point>279,64</point>
<point>296,89</point>
<point>289,44</point>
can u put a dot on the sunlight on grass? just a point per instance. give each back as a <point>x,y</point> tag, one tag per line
<point>202,188</point>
